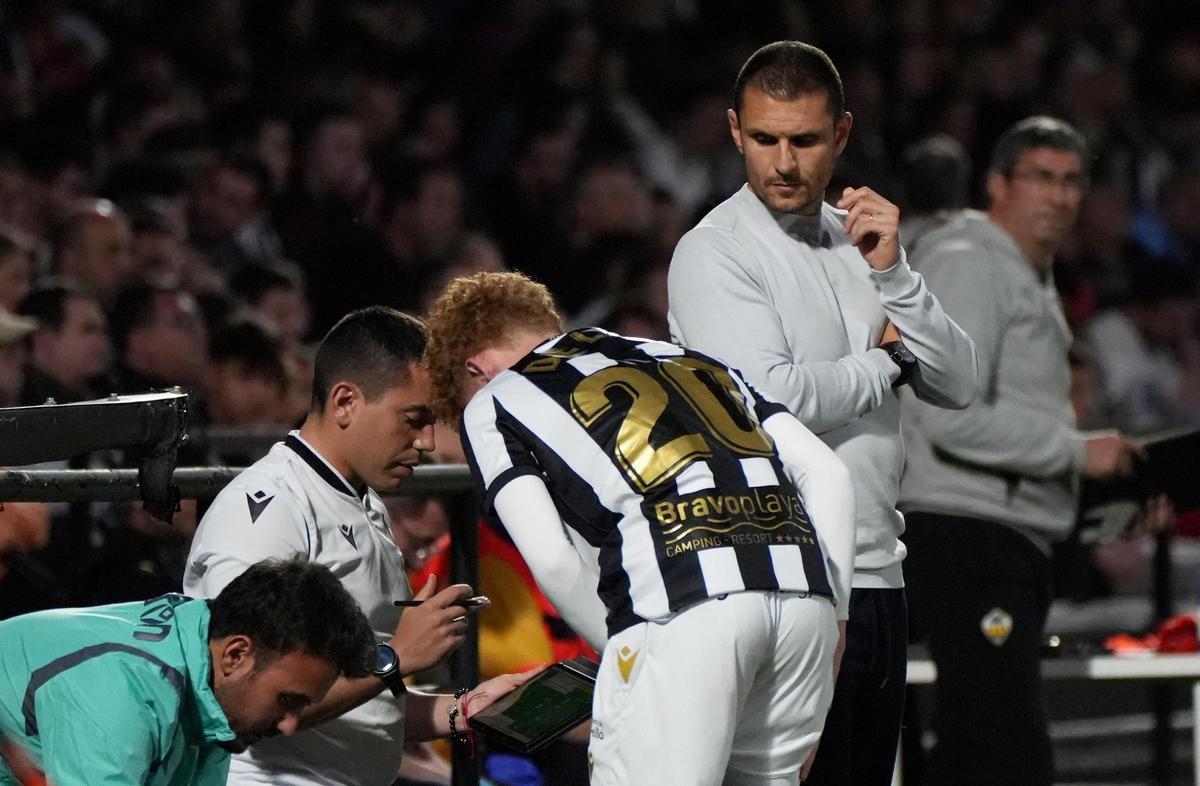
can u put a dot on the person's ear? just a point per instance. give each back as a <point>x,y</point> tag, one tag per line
<point>345,399</point>
<point>236,656</point>
<point>841,132</point>
<point>735,129</point>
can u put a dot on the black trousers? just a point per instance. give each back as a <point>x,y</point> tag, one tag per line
<point>858,744</point>
<point>979,593</point>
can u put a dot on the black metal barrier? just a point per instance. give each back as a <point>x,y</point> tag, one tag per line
<point>121,485</point>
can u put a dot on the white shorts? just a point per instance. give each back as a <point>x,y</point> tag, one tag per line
<point>732,690</point>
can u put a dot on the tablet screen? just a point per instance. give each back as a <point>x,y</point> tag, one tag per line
<point>552,702</point>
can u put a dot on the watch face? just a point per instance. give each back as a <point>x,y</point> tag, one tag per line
<point>385,659</point>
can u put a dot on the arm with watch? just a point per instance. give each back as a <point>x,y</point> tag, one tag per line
<point>936,357</point>
<point>425,635</point>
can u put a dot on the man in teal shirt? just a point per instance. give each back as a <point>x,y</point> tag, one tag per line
<point>161,691</point>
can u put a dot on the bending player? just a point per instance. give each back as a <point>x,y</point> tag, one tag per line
<point>691,530</point>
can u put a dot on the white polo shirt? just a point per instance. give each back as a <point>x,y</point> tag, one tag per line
<point>292,501</point>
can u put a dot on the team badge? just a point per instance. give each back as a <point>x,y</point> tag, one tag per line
<point>625,660</point>
<point>996,625</point>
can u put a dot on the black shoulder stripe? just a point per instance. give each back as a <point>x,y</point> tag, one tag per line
<point>69,661</point>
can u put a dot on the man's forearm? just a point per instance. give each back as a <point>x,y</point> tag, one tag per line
<point>427,716</point>
<point>345,695</point>
<point>947,355</point>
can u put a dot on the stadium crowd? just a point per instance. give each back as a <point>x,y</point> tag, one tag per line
<point>192,193</point>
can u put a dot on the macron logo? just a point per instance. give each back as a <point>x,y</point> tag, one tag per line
<point>257,503</point>
<point>348,534</point>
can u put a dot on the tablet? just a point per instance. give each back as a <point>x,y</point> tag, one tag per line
<point>541,710</point>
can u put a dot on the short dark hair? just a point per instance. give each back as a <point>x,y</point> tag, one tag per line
<point>133,309</point>
<point>1034,132</point>
<point>294,605</point>
<point>255,280</point>
<point>936,175</point>
<point>786,70</point>
<point>252,349</point>
<point>47,303</point>
<point>371,347</point>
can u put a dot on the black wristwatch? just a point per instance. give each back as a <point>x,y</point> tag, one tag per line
<point>903,358</point>
<point>387,668</point>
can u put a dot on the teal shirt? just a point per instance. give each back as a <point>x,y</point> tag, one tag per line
<point>114,695</point>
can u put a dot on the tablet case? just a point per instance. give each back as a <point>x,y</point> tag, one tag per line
<point>541,710</point>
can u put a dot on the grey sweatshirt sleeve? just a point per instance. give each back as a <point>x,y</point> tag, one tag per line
<point>949,363</point>
<point>719,307</point>
<point>993,432</point>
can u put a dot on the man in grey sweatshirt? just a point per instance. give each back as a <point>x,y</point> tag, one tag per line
<point>806,299</point>
<point>988,488</point>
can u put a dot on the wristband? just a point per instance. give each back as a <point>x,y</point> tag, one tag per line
<point>463,737</point>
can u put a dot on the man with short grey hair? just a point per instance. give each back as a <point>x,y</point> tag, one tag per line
<point>987,489</point>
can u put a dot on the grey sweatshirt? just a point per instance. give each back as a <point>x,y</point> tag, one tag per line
<point>1014,455</point>
<point>788,301</point>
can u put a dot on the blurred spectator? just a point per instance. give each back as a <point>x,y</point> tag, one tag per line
<point>1148,352</point>
<point>525,203</point>
<point>70,356</point>
<point>477,253</point>
<point>611,208</point>
<point>13,330</point>
<point>1096,267</point>
<point>245,382</point>
<point>156,242</point>
<point>936,179</point>
<point>1170,230</point>
<point>228,198</point>
<point>93,248</point>
<point>422,223</point>
<point>16,270</point>
<point>160,339</point>
<point>274,295</point>
<point>325,220</point>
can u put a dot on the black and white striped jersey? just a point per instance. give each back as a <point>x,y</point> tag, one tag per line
<point>655,456</point>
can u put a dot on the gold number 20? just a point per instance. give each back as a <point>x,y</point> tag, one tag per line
<point>645,465</point>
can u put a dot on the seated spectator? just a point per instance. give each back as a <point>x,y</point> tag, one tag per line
<point>13,330</point>
<point>93,247</point>
<point>160,339</point>
<point>70,356</point>
<point>245,382</point>
<point>274,294</point>
<point>16,270</point>
<point>1148,352</point>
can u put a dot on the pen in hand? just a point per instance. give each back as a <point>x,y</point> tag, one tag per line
<point>478,600</point>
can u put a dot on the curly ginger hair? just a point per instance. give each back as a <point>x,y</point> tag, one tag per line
<point>475,313</point>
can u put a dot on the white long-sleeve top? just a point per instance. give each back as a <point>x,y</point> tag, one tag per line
<point>788,301</point>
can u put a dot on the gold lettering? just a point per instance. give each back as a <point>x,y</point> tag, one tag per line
<point>747,505</point>
<point>731,503</point>
<point>700,507</point>
<point>644,464</point>
<point>665,512</point>
<point>682,508</point>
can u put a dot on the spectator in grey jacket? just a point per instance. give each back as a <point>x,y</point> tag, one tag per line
<point>805,299</point>
<point>986,489</point>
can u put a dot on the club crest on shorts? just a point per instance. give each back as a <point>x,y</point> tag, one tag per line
<point>625,660</point>
<point>996,625</point>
